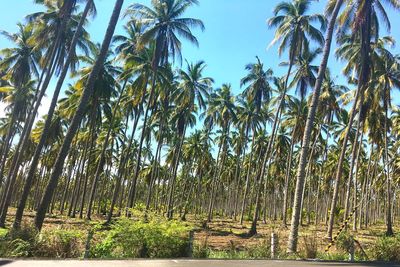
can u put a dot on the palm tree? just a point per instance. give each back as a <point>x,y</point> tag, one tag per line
<point>20,62</point>
<point>19,100</point>
<point>192,91</point>
<point>162,23</point>
<point>251,119</point>
<point>294,31</point>
<point>388,77</point>
<point>257,84</point>
<point>18,65</point>
<point>87,92</point>
<point>58,23</point>
<point>301,172</point>
<point>46,130</point>
<point>304,78</point>
<point>221,112</point>
<point>194,88</point>
<point>363,19</point>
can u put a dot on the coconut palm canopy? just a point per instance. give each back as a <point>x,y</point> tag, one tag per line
<point>176,108</point>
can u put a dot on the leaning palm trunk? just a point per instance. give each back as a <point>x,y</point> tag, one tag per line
<point>294,228</point>
<point>50,113</point>
<point>341,161</point>
<point>363,83</point>
<point>87,92</point>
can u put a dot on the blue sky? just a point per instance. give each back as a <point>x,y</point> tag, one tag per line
<point>236,32</point>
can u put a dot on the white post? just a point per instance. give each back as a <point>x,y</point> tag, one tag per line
<point>273,238</point>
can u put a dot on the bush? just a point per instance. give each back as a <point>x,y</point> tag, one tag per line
<point>387,249</point>
<point>156,239</point>
<point>19,248</point>
<point>55,243</point>
<point>60,243</point>
<point>18,243</point>
<point>345,242</point>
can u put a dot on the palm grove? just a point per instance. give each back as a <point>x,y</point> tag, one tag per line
<point>136,129</point>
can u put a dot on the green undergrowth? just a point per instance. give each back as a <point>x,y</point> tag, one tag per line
<point>157,237</point>
<point>124,238</point>
<point>154,239</point>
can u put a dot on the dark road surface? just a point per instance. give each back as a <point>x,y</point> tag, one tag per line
<point>181,263</point>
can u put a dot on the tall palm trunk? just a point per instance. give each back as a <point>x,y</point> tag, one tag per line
<point>294,228</point>
<point>362,84</point>
<point>86,94</point>
<point>50,113</point>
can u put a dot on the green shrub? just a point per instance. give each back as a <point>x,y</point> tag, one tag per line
<point>387,249</point>
<point>18,243</point>
<point>345,242</point>
<point>3,232</point>
<point>19,248</point>
<point>60,243</point>
<point>156,239</point>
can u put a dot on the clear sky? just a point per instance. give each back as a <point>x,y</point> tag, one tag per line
<point>236,32</point>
